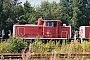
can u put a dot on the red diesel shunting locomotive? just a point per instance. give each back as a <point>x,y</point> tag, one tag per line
<point>45,29</point>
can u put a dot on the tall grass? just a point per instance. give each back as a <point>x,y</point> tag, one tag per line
<point>56,48</point>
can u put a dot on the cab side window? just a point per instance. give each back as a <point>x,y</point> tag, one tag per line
<point>48,23</point>
<point>55,24</point>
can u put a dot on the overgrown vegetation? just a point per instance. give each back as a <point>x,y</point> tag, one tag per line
<point>51,46</point>
<point>12,45</point>
<point>71,12</point>
<point>56,48</point>
<point>15,45</point>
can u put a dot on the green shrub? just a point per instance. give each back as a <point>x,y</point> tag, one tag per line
<point>13,45</point>
<point>3,46</point>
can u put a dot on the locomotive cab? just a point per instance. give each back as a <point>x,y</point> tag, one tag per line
<point>50,28</point>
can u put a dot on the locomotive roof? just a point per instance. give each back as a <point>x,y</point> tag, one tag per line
<point>52,20</point>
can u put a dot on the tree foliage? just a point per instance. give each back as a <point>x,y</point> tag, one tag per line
<point>71,12</point>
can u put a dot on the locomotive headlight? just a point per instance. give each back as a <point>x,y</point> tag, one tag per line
<point>48,32</point>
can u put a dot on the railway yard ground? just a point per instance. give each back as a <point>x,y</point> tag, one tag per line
<point>49,56</point>
<point>50,51</point>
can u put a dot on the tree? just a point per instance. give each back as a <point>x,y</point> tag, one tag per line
<point>54,10</point>
<point>64,11</point>
<point>83,17</point>
<point>44,10</point>
<point>88,11</point>
<point>29,14</point>
<point>1,4</point>
<point>8,15</point>
<point>75,13</point>
<point>15,2</point>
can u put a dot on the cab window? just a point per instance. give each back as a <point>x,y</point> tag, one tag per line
<point>48,23</point>
<point>55,24</point>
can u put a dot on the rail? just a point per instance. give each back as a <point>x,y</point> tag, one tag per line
<point>10,55</point>
<point>39,55</point>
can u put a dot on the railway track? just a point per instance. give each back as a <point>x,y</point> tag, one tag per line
<point>38,55</point>
<point>10,55</point>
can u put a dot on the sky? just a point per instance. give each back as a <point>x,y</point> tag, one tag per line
<point>37,2</point>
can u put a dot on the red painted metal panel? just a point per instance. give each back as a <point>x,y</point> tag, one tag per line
<point>55,32</point>
<point>87,32</point>
<point>28,31</point>
<point>31,30</point>
<point>64,32</point>
<point>19,31</point>
<point>41,30</point>
<point>48,32</point>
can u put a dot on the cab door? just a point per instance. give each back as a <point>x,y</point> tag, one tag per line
<point>48,29</point>
<point>20,31</point>
<point>55,29</point>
